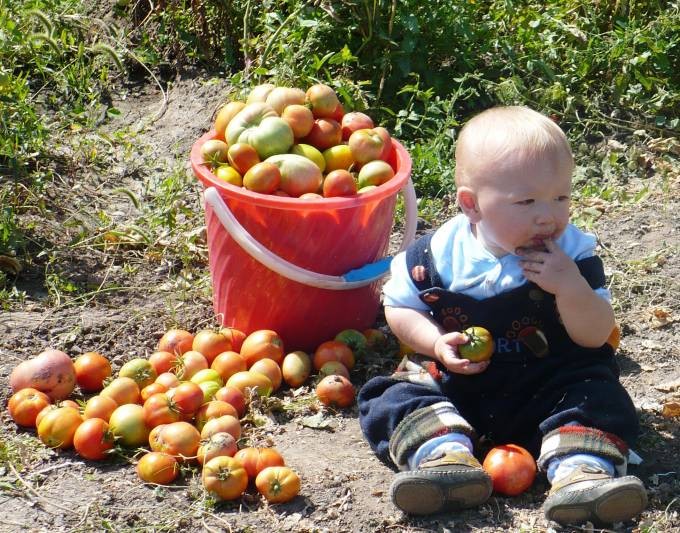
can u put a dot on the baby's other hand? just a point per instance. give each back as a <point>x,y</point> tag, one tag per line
<point>446,351</point>
<point>551,269</point>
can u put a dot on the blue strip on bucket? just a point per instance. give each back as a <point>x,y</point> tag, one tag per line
<point>369,271</point>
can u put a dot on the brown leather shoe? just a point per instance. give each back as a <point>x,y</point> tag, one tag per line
<point>451,482</point>
<point>590,494</point>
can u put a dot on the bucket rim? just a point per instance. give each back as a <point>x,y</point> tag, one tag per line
<point>401,159</point>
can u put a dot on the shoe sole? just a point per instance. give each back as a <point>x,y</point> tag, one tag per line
<point>607,505</point>
<point>431,492</point>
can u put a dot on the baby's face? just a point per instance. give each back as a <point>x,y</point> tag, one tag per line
<point>521,205</point>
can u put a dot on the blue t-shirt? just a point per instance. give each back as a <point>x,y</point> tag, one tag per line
<point>466,267</point>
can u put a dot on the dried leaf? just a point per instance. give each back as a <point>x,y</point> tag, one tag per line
<point>671,410</point>
<point>317,421</point>
<point>660,317</point>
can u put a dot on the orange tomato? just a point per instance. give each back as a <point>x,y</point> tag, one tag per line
<point>176,341</point>
<point>228,363</point>
<point>58,426</point>
<point>251,380</point>
<point>278,484</point>
<point>262,344</point>
<point>224,477</point>
<point>511,467</point>
<point>296,368</point>
<point>254,460</point>
<point>122,390</point>
<point>213,409</point>
<point>269,368</point>
<point>25,405</point>
<point>157,467</point>
<point>160,409</point>
<point>333,351</point>
<point>92,369</point>
<point>179,439</point>
<point>152,389</point>
<point>225,423</point>
<point>99,407</point>
<point>210,343</point>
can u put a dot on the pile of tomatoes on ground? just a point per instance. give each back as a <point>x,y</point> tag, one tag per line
<point>184,403</point>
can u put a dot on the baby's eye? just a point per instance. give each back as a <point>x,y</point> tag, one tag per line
<point>562,198</point>
<point>528,201</point>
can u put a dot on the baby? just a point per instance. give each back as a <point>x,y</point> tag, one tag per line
<point>513,264</point>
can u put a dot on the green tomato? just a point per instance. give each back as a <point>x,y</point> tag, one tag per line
<point>479,346</point>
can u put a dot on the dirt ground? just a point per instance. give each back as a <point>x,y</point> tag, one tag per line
<point>344,487</point>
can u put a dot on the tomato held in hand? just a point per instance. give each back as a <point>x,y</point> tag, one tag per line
<point>512,469</point>
<point>479,346</point>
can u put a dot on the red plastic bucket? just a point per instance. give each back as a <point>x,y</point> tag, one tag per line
<point>330,236</point>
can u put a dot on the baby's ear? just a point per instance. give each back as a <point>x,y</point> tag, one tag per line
<point>468,203</point>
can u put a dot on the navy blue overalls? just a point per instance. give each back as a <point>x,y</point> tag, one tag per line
<point>538,379</point>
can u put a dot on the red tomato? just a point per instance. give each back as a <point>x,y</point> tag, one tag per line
<point>511,467</point>
<point>157,467</point>
<point>234,397</point>
<point>176,341</point>
<point>160,409</point>
<point>262,177</point>
<point>93,439</point>
<point>224,477</point>
<point>99,407</point>
<point>278,484</point>
<point>92,369</point>
<point>162,361</point>
<point>336,391</point>
<point>58,427</point>
<point>179,439</point>
<point>25,405</point>
<point>225,423</point>
<point>187,396</point>
<point>218,444</point>
<point>333,351</point>
<point>254,460</point>
<point>262,344</point>
<point>235,336</point>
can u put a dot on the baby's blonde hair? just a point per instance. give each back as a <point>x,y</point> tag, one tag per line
<point>492,136</point>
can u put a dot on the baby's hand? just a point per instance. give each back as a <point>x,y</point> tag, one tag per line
<point>552,270</point>
<point>446,351</point>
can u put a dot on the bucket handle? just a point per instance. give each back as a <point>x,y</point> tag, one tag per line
<point>358,277</point>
